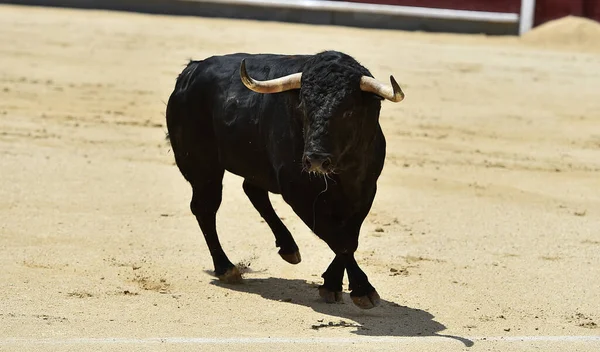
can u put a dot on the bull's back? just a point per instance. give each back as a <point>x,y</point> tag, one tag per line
<point>222,115</point>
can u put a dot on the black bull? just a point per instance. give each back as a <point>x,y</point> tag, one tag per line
<point>316,141</point>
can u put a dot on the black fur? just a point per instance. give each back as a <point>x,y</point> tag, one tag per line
<point>215,124</point>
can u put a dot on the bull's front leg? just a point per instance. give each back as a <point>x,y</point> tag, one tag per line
<point>331,290</point>
<point>363,294</point>
<point>317,213</point>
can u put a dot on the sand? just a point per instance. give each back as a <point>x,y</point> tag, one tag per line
<point>569,32</point>
<point>486,226</point>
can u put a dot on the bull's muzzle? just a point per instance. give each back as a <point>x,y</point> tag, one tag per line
<point>317,162</point>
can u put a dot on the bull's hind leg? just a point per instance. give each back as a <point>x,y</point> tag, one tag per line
<point>288,250</point>
<point>197,158</point>
<point>206,200</point>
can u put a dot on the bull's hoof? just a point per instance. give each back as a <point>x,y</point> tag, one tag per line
<point>330,296</point>
<point>231,276</point>
<point>292,258</point>
<point>371,300</point>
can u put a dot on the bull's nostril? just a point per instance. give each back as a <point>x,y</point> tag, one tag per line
<point>307,163</point>
<point>326,164</point>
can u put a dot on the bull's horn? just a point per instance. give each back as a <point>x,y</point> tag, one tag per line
<point>276,85</point>
<point>393,93</point>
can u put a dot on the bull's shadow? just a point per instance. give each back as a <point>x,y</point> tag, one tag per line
<point>390,319</point>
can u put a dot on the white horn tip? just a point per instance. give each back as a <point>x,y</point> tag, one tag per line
<point>398,93</point>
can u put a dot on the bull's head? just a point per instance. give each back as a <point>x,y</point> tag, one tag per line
<point>340,102</point>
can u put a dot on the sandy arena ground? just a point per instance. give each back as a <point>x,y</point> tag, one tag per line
<point>485,230</point>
